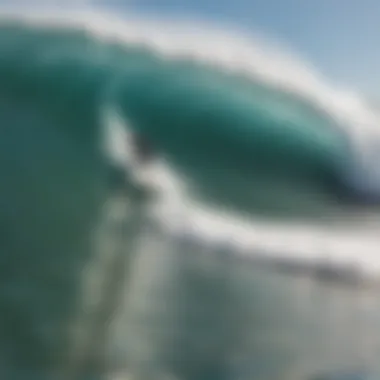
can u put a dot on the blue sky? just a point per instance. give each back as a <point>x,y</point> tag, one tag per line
<point>341,37</point>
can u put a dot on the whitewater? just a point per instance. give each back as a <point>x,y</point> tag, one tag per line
<point>260,161</point>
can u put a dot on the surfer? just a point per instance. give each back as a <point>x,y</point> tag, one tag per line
<point>123,178</point>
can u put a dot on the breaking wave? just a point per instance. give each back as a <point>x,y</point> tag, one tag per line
<point>255,151</point>
<point>252,129</point>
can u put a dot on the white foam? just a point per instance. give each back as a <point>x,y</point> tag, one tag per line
<point>262,61</point>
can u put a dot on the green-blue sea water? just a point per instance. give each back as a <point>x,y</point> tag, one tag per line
<point>178,311</point>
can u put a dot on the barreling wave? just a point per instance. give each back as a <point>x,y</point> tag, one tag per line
<point>253,129</point>
<point>267,133</point>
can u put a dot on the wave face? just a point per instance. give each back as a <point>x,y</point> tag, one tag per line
<point>250,134</point>
<point>250,137</point>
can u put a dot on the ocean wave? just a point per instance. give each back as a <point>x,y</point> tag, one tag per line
<point>275,119</point>
<point>254,129</point>
<point>251,127</point>
<point>244,134</point>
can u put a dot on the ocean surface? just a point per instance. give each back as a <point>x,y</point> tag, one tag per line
<point>247,250</point>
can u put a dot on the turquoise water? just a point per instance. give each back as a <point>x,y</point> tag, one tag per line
<point>257,134</point>
<point>242,143</point>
